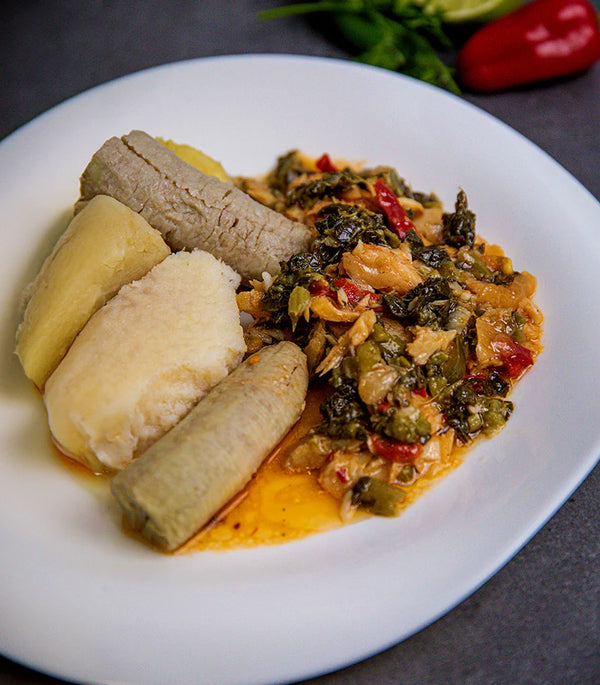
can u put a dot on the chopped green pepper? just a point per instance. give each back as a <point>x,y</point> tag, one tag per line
<point>377,496</point>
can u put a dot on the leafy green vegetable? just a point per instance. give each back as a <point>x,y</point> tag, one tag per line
<point>459,227</point>
<point>444,368</point>
<point>299,271</point>
<point>330,184</point>
<point>400,35</point>
<point>432,255</point>
<point>390,346</point>
<point>344,414</point>
<point>392,179</point>
<point>287,169</point>
<point>399,186</point>
<point>427,304</point>
<point>341,228</point>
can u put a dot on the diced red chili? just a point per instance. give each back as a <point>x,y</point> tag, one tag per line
<point>515,358</point>
<point>394,450</point>
<point>393,210</point>
<point>383,406</point>
<point>320,288</point>
<point>325,164</point>
<point>353,292</point>
<point>421,392</point>
<point>342,474</point>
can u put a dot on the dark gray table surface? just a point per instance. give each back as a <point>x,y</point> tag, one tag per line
<point>538,619</point>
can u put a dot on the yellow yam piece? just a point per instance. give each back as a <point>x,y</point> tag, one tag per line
<point>105,246</point>
<point>144,359</point>
<point>197,158</point>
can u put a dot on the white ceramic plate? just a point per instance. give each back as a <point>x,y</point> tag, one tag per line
<point>80,600</point>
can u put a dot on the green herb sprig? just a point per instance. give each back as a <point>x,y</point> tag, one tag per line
<point>400,35</point>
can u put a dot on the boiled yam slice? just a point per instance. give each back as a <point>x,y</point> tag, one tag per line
<point>190,208</point>
<point>104,247</point>
<point>144,359</point>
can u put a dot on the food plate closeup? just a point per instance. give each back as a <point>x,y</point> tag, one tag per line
<point>82,600</point>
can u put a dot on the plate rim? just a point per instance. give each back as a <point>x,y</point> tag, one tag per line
<point>536,524</point>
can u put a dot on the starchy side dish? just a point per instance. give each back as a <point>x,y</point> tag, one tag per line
<point>103,248</point>
<point>398,327</point>
<point>190,208</point>
<point>144,359</point>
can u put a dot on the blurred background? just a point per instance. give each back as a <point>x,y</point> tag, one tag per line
<point>538,619</point>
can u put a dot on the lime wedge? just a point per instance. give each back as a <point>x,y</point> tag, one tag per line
<point>461,11</point>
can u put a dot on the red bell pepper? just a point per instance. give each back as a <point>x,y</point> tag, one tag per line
<point>394,450</point>
<point>353,292</point>
<point>393,210</point>
<point>325,164</point>
<point>321,288</point>
<point>515,358</point>
<point>543,39</point>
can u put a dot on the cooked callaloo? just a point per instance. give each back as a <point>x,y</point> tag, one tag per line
<point>387,316</point>
<point>419,327</point>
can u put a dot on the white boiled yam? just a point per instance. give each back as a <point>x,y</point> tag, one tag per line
<point>144,359</point>
<point>104,247</point>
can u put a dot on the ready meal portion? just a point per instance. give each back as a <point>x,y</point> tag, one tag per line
<point>405,327</point>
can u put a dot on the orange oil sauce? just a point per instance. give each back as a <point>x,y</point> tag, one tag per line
<point>276,506</point>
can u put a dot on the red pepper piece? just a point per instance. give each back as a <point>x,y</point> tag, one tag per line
<point>393,210</point>
<point>542,40</point>
<point>421,392</point>
<point>319,288</point>
<point>383,406</point>
<point>515,358</point>
<point>342,475</point>
<point>353,292</point>
<point>394,450</point>
<point>325,164</point>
